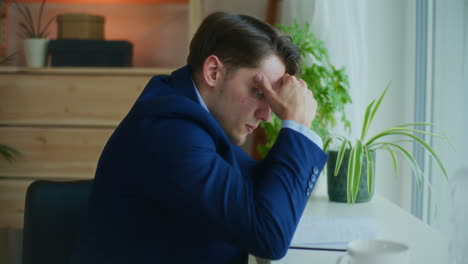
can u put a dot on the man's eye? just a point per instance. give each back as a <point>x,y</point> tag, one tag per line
<point>258,94</point>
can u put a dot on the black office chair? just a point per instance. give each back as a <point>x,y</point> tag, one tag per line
<point>52,218</point>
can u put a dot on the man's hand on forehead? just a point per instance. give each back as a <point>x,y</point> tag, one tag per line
<point>291,100</point>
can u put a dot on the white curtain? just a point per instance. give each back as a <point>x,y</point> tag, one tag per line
<point>341,24</point>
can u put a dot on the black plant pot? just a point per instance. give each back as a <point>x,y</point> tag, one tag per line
<point>337,185</point>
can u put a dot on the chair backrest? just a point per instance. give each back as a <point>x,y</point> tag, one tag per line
<point>52,219</point>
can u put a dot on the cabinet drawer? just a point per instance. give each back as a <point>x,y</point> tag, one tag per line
<point>12,197</point>
<point>29,99</point>
<point>50,152</point>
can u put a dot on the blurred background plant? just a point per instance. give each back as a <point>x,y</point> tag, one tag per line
<point>7,60</point>
<point>30,27</point>
<point>329,85</point>
<point>8,153</point>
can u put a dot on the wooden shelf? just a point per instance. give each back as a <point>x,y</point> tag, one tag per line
<point>87,70</point>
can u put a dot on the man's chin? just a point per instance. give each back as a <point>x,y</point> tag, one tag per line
<point>237,140</point>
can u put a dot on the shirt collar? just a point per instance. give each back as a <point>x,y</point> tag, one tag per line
<point>202,103</point>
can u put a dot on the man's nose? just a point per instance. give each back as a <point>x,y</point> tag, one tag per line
<point>263,112</point>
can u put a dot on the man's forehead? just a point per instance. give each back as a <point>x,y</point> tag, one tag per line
<point>273,69</point>
<point>273,77</point>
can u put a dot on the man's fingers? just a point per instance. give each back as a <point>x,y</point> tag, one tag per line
<point>263,83</point>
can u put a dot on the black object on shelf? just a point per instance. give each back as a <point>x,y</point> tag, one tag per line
<point>90,53</point>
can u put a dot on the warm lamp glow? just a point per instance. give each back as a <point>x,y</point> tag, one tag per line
<point>144,23</point>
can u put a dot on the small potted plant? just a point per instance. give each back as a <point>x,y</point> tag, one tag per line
<point>34,34</point>
<point>351,167</point>
<point>328,84</point>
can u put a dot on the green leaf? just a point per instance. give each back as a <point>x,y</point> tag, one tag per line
<point>370,170</point>
<point>407,130</point>
<point>380,145</point>
<point>415,167</point>
<point>326,143</point>
<point>8,59</point>
<point>394,160</point>
<point>383,145</point>
<point>8,153</point>
<point>366,122</point>
<point>416,124</point>
<point>340,156</point>
<point>377,105</point>
<point>350,178</point>
<point>419,140</point>
<point>356,172</point>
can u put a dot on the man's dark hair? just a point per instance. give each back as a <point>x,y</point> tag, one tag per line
<point>241,41</point>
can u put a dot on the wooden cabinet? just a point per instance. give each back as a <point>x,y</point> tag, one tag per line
<point>59,119</point>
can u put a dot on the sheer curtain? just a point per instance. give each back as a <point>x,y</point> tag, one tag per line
<point>341,24</point>
<point>446,207</point>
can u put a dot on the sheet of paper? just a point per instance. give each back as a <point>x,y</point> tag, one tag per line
<point>333,232</point>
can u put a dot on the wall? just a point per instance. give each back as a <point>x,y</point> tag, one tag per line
<point>450,108</point>
<point>255,8</point>
<point>391,43</point>
<point>158,32</point>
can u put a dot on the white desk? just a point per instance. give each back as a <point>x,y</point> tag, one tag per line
<point>427,245</point>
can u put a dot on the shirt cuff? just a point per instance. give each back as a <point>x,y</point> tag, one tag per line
<point>303,130</point>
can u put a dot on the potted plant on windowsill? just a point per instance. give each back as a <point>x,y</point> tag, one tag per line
<point>351,168</point>
<point>328,84</point>
<point>34,34</point>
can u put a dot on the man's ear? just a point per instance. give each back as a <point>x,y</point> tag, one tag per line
<point>212,70</point>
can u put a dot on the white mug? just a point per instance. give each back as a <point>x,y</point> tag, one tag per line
<point>375,252</point>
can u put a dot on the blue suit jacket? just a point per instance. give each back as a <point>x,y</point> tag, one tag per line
<point>171,188</point>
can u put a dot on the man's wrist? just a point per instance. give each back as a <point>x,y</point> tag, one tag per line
<point>306,131</point>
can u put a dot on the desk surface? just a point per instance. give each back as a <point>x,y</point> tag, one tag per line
<point>427,245</point>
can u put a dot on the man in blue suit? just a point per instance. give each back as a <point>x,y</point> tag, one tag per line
<point>172,185</point>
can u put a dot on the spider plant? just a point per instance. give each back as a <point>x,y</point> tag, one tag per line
<point>363,147</point>
<point>29,27</point>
